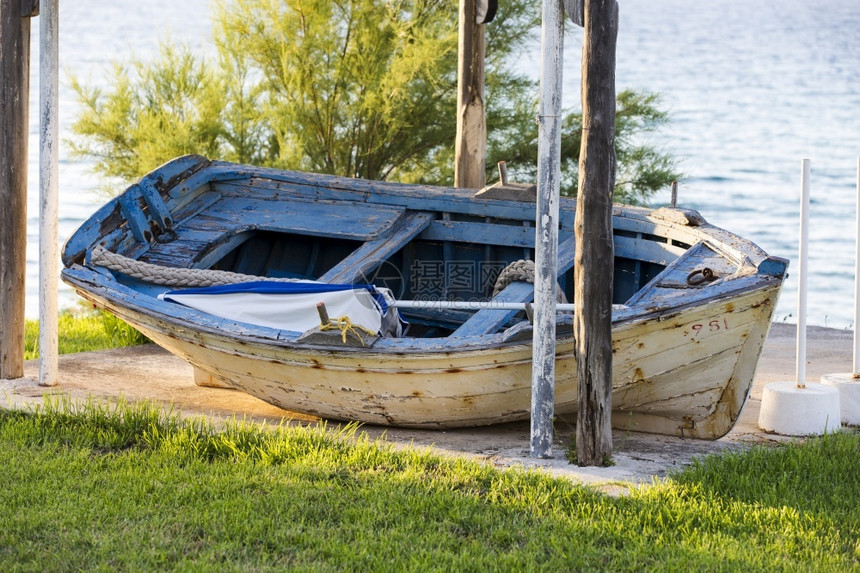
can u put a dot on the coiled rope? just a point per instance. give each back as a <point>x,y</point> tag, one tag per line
<point>522,270</point>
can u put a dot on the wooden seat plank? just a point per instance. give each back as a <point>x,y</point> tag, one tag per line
<point>373,253</point>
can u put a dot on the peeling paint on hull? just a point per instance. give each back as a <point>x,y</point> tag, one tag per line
<point>666,379</point>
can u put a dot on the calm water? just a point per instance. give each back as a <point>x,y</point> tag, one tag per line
<point>753,86</point>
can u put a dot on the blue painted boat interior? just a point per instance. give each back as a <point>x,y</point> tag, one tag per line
<point>422,243</point>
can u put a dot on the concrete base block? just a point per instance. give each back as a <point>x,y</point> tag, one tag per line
<point>792,411</point>
<point>849,396</point>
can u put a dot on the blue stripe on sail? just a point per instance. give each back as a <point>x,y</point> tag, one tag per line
<point>281,287</point>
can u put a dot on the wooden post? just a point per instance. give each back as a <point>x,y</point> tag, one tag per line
<point>593,269</point>
<point>546,228</point>
<point>14,127</point>
<point>49,145</point>
<point>471,144</point>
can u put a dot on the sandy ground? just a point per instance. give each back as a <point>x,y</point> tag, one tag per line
<point>149,373</point>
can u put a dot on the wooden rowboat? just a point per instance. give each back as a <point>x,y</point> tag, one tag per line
<point>695,301</point>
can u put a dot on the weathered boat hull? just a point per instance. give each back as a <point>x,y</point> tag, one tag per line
<point>687,373</point>
<point>685,349</point>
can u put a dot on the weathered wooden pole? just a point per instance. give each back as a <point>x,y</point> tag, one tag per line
<point>14,127</point>
<point>49,143</point>
<point>593,269</point>
<point>470,147</point>
<point>546,228</point>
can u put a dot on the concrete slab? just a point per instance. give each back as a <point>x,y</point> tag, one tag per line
<point>149,373</point>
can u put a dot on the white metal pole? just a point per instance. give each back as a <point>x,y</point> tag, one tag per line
<point>546,228</point>
<point>49,81</point>
<point>856,364</point>
<point>481,305</point>
<point>472,305</point>
<point>802,282</point>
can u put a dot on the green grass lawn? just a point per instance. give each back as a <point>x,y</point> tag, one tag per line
<point>129,487</point>
<point>83,331</point>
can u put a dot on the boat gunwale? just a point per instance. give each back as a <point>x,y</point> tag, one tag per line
<point>189,319</point>
<point>392,194</point>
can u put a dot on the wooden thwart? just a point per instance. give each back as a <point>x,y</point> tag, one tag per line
<point>373,253</point>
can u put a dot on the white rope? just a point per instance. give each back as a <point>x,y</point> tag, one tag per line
<point>170,276</point>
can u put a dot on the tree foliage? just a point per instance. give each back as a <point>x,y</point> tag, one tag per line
<point>361,88</point>
<point>153,113</point>
<point>642,168</point>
